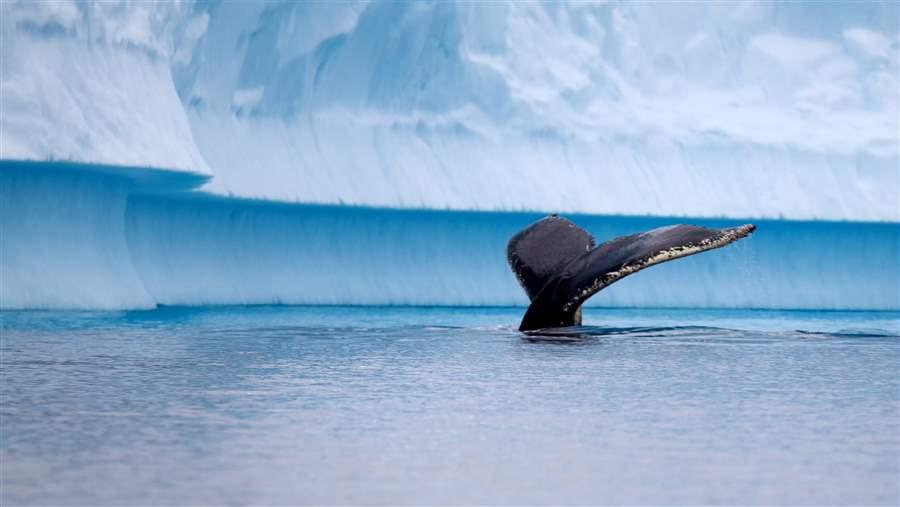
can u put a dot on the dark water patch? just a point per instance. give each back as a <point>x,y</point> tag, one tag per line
<point>698,334</point>
<point>854,333</point>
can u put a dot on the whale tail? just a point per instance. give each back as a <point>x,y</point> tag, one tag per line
<point>559,267</point>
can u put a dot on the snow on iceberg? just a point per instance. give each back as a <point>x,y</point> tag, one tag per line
<point>92,83</point>
<point>751,109</point>
<point>702,109</point>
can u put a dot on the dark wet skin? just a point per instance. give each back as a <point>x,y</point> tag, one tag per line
<point>559,267</point>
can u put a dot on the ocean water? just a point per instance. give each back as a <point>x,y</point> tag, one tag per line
<point>417,405</point>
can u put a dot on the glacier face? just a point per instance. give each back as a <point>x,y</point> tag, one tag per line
<point>704,109</point>
<point>218,251</point>
<point>92,83</point>
<point>747,109</point>
<point>447,125</point>
<point>75,238</point>
<point>63,242</point>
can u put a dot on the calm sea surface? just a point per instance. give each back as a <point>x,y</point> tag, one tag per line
<point>359,405</point>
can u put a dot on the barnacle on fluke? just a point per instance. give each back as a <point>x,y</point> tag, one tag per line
<point>559,267</point>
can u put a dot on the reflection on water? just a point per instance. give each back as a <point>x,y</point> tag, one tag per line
<point>280,405</point>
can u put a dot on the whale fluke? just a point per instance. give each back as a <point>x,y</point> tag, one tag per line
<point>542,250</point>
<point>557,264</point>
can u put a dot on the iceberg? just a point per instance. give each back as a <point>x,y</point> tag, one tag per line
<point>382,152</point>
<point>702,109</point>
<point>91,83</point>
<point>754,109</point>
<point>89,239</point>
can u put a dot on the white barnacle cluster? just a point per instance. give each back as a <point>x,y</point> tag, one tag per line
<point>677,252</point>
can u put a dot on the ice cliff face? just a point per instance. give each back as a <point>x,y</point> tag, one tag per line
<point>76,239</point>
<point>109,110</point>
<point>92,83</point>
<point>692,109</point>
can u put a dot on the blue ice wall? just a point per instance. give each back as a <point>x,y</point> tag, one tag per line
<point>95,240</point>
<point>266,253</point>
<point>62,242</point>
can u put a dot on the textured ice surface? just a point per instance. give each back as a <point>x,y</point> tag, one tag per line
<point>739,110</point>
<point>692,109</point>
<point>92,83</point>
<point>79,239</point>
<point>62,242</point>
